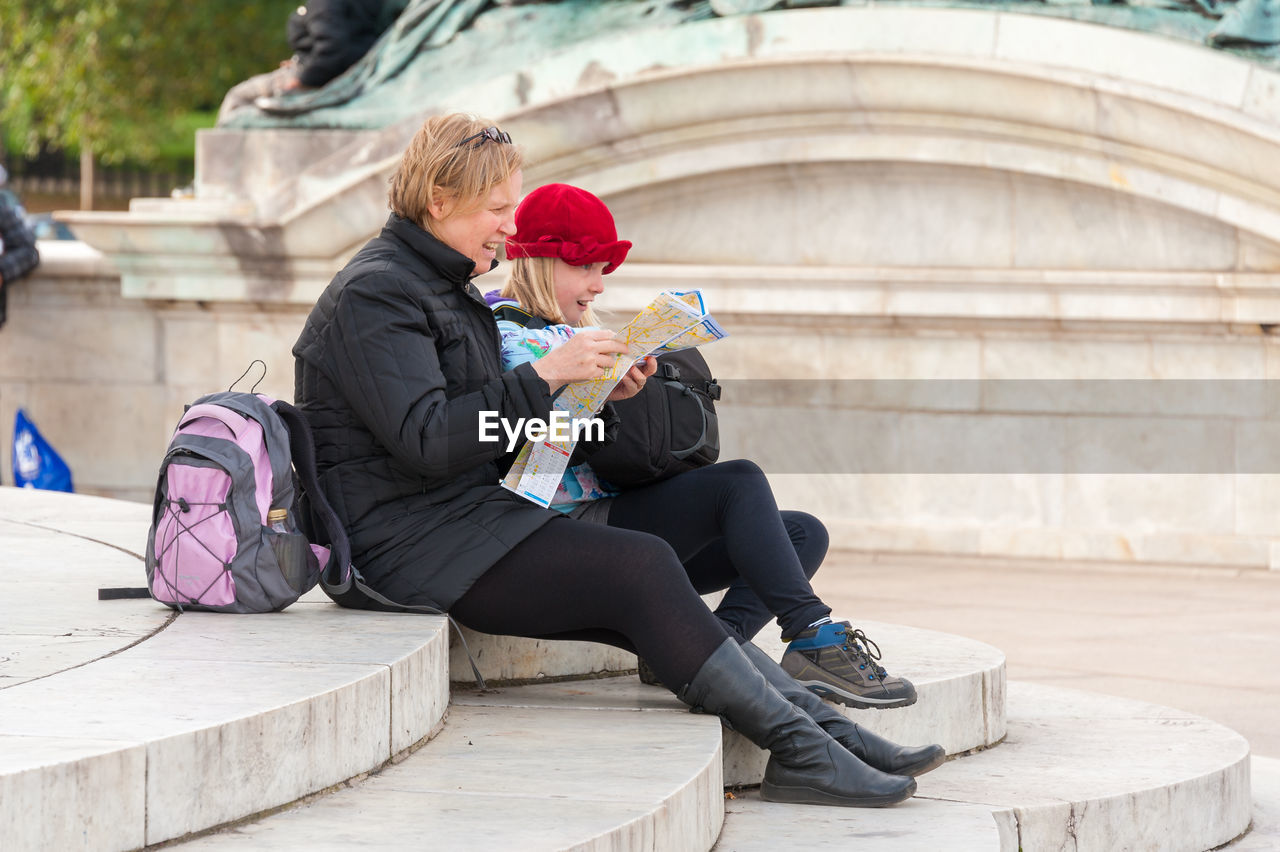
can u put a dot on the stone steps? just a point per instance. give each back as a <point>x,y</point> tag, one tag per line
<point>1076,771</point>
<point>573,751</point>
<point>960,684</point>
<point>1105,773</point>
<point>1264,833</point>
<point>1108,772</point>
<point>918,825</point>
<point>927,825</point>
<point>542,765</point>
<point>122,725</point>
<point>512,775</point>
<point>211,720</point>
<point>309,729</point>
<point>220,717</point>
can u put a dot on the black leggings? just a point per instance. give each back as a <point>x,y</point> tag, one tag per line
<point>578,580</point>
<point>724,525</point>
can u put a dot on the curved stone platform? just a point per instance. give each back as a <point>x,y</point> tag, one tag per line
<point>511,659</point>
<point>510,771</point>
<point>61,549</point>
<point>1264,832</point>
<point>960,683</point>
<point>217,721</point>
<point>1077,771</point>
<point>122,725</point>
<point>1105,773</point>
<point>214,719</point>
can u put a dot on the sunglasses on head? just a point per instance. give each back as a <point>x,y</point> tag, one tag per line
<point>486,135</point>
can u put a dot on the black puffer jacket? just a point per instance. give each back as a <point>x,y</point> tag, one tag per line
<point>395,363</point>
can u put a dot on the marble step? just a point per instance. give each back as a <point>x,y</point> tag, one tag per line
<point>960,683</point>
<point>546,766</point>
<point>213,719</point>
<point>1264,833</point>
<point>1076,771</point>
<point>511,659</point>
<point>117,524</point>
<point>124,724</point>
<point>51,619</point>
<point>511,772</point>
<point>150,732</point>
<point>68,546</point>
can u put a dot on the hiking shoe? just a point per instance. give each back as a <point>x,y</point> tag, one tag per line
<point>839,663</point>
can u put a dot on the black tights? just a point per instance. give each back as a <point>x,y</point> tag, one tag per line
<point>578,580</point>
<point>724,525</point>
<point>624,584</point>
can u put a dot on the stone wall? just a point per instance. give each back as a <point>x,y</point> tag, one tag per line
<point>105,377</point>
<point>974,435</point>
<point>1097,435</point>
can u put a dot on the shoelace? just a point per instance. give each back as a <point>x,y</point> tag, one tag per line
<point>860,645</point>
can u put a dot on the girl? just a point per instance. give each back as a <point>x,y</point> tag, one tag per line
<point>721,520</point>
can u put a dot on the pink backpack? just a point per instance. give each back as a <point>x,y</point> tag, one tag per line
<point>234,458</point>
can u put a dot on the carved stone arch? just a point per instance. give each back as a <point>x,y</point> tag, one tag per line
<point>1038,149</point>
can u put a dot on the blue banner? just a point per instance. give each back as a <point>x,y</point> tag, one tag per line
<point>35,463</point>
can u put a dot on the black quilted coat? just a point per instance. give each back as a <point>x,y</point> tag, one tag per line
<point>397,359</point>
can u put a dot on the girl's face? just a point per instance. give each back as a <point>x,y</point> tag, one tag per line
<point>577,287</point>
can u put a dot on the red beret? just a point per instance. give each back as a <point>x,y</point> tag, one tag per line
<point>558,220</point>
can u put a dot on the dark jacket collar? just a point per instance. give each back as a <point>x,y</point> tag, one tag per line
<point>453,265</point>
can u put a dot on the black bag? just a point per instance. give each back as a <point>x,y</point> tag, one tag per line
<point>669,427</point>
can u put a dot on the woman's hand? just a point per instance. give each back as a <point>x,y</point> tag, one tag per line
<point>587,355</point>
<point>634,380</point>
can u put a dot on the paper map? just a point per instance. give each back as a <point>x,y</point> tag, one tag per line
<point>674,320</point>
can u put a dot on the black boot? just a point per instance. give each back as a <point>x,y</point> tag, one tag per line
<point>878,752</point>
<point>806,765</point>
<point>646,672</point>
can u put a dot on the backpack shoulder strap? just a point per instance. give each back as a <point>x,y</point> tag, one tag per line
<point>511,312</point>
<point>340,575</point>
<point>302,448</point>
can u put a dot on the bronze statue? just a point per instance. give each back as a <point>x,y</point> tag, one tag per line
<point>426,26</point>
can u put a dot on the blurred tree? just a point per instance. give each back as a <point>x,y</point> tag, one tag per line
<point>112,77</point>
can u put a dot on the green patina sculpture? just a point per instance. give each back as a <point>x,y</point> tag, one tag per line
<point>436,46</point>
<point>1247,22</point>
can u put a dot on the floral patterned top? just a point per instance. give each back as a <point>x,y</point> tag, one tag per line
<point>520,345</point>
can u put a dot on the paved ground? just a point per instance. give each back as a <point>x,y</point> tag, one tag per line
<point>1202,640</point>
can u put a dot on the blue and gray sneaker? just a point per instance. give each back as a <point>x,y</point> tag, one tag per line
<point>839,663</point>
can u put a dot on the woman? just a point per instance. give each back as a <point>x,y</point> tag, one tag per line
<point>721,520</point>
<point>395,366</point>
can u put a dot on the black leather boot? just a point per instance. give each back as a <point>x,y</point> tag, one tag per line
<point>882,754</point>
<point>806,765</point>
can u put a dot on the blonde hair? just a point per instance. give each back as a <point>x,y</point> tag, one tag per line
<point>532,283</point>
<point>437,165</point>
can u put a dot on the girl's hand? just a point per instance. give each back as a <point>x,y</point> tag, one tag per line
<point>634,380</point>
<point>587,355</point>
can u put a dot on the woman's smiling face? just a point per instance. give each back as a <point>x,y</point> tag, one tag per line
<point>577,287</point>
<point>478,233</point>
